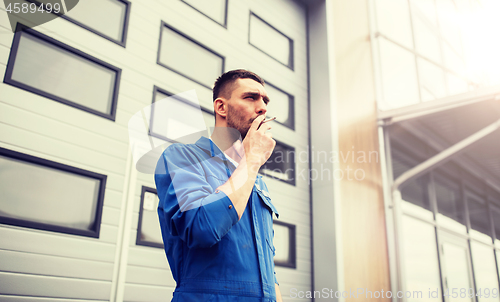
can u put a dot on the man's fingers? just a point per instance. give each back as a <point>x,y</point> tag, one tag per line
<point>264,127</point>
<point>256,122</point>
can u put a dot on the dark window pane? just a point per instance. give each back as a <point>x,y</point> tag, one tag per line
<point>496,221</point>
<point>272,42</point>
<point>59,72</point>
<point>106,17</point>
<point>189,58</point>
<point>478,215</point>
<point>281,164</point>
<point>449,203</point>
<point>214,9</point>
<point>281,106</point>
<point>415,191</point>
<point>44,197</point>
<point>148,230</point>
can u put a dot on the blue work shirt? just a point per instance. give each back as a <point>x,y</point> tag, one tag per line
<point>213,256</point>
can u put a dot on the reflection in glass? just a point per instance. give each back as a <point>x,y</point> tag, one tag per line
<point>174,117</point>
<point>46,195</point>
<point>214,9</point>
<point>104,16</point>
<point>420,258</point>
<point>282,243</point>
<point>271,41</point>
<point>149,229</point>
<point>61,73</point>
<point>188,58</point>
<point>280,106</point>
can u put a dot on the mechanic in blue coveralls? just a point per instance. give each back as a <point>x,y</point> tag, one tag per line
<point>215,211</point>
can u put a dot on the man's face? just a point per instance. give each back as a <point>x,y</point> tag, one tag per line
<point>248,101</point>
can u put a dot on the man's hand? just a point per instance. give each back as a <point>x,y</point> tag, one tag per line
<point>258,146</point>
<point>258,143</point>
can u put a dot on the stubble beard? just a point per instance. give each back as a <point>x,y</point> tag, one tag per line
<point>236,121</point>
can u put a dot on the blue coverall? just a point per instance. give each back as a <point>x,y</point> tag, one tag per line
<point>213,256</point>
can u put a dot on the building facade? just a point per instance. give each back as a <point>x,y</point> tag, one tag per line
<point>386,172</point>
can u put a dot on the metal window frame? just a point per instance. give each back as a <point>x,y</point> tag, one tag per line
<point>450,184</point>
<point>494,208</point>
<point>164,24</point>
<point>120,42</point>
<point>292,246</point>
<point>57,44</point>
<point>292,151</point>
<point>468,196</point>
<point>138,240</point>
<point>156,90</point>
<point>429,165</point>
<point>94,233</point>
<point>291,45</point>
<point>225,13</point>
<point>291,107</point>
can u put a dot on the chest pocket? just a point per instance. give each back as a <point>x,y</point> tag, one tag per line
<point>261,189</point>
<point>267,210</point>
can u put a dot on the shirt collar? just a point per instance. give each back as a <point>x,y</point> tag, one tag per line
<point>235,163</point>
<point>211,148</point>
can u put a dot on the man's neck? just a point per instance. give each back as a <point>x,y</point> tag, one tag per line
<point>225,138</point>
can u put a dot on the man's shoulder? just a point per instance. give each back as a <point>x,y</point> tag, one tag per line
<point>184,152</point>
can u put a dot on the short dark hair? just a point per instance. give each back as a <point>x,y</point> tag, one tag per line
<point>223,84</point>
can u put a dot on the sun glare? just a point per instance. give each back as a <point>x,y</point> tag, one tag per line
<point>481,42</point>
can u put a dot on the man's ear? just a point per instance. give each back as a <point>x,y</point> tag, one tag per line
<point>220,107</point>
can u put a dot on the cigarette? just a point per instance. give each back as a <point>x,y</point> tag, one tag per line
<point>271,119</point>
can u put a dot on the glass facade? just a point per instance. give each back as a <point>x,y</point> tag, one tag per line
<point>447,232</point>
<point>425,52</point>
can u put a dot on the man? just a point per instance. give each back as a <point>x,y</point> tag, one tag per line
<point>215,212</point>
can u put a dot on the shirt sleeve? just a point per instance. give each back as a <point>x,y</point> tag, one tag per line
<point>189,207</point>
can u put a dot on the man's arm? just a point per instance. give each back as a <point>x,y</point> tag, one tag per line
<point>258,146</point>
<point>188,207</point>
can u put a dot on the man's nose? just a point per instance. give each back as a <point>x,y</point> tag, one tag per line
<point>261,107</point>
